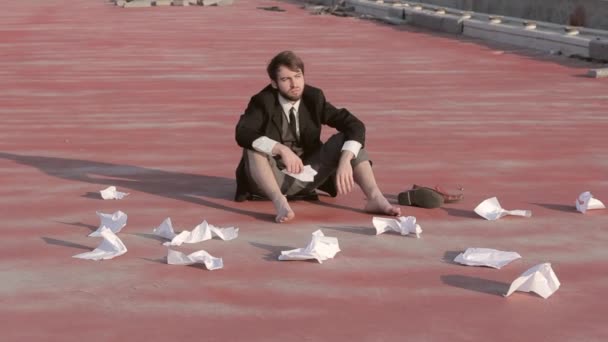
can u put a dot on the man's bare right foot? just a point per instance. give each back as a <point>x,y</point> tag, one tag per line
<point>380,205</point>
<point>284,212</point>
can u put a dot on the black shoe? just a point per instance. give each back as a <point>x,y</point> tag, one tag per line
<point>421,197</point>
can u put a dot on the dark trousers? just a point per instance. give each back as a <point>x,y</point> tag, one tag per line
<point>324,160</point>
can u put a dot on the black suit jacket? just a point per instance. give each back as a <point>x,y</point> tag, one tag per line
<point>264,115</point>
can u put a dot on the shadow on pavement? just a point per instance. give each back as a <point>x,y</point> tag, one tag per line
<point>448,257</point>
<point>80,224</point>
<point>476,284</point>
<point>350,229</point>
<point>557,207</point>
<point>460,212</point>
<point>274,251</point>
<point>63,243</point>
<point>174,185</point>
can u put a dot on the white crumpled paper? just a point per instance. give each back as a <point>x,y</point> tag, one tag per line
<point>321,248</point>
<point>401,225</point>
<point>486,257</point>
<point>307,175</point>
<point>490,209</point>
<point>585,201</point>
<point>202,232</point>
<point>111,193</point>
<point>201,257</point>
<point>109,248</point>
<point>539,279</point>
<point>115,222</point>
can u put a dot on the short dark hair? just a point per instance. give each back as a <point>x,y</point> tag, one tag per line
<point>287,59</point>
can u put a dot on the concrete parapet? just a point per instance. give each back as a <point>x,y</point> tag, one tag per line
<point>598,73</point>
<point>531,38</point>
<point>435,21</point>
<point>371,8</point>
<point>570,41</point>
<point>584,13</point>
<point>598,49</point>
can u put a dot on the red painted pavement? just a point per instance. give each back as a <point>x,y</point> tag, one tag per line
<point>93,95</point>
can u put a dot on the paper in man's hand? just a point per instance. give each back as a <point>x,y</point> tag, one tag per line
<point>307,175</point>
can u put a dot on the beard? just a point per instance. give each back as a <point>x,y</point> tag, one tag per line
<point>290,96</point>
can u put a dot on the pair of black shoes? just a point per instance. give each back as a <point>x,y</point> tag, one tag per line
<point>422,197</point>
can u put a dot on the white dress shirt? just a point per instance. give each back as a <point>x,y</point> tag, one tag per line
<point>265,144</point>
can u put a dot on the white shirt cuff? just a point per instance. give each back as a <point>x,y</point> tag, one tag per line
<point>352,146</point>
<point>265,145</point>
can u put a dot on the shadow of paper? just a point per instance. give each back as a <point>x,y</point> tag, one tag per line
<point>92,195</point>
<point>62,243</point>
<point>448,257</point>
<point>151,236</point>
<point>80,224</point>
<point>362,230</point>
<point>461,213</point>
<point>557,207</point>
<point>162,260</point>
<point>338,206</point>
<point>476,284</point>
<point>274,251</point>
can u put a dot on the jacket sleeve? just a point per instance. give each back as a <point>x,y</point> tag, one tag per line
<point>251,124</point>
<point>342,120</point>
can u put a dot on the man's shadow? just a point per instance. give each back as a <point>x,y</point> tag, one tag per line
<point>197,189</point>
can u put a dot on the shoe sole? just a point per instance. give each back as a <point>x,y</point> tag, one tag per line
<point>421,197</point>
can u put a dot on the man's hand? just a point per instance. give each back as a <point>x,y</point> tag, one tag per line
<point>292,162</point>
<point>344,174</point>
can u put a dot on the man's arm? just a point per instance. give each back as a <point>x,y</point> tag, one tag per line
<point>250,132</point>
<point>343,121</point>
<point>354,131</point>
<point>292,162</point>
<point>251,124</point>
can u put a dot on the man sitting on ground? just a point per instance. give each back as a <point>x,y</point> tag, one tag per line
<point>281,129</point>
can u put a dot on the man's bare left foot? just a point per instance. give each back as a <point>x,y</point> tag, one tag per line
<point>284,212</point>
<point>380,205</point>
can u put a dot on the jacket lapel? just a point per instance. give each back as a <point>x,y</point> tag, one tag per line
<point>303,120</point>
<point>276,116</point>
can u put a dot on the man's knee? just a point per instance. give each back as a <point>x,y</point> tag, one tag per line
<point>250,154</point>
<point>361,157</point>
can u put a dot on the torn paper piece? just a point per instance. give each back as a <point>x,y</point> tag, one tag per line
<point>115,222</point>
<point>200,257</point>
<point>202,232</point>
<point>585,201</point>
<point>401,225</point>
<point>486,257</point>
<point>111,193</point>
<point>307,175</point>
<point>539,279</point>
<point>490,209</point>
<point>109,248</point>
<point>321,248</point>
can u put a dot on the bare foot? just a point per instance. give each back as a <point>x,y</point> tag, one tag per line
<point>284,212</point>
<point>380,205</point>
